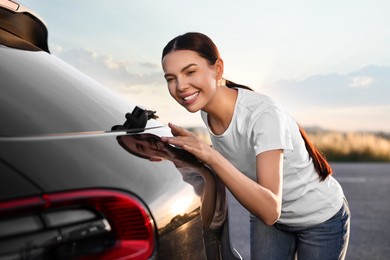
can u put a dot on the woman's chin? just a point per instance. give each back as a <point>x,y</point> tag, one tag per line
<point>192,109</point>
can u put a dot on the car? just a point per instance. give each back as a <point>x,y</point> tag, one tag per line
<point>84,174</point>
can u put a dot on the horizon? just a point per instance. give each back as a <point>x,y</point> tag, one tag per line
<point>327,63</point>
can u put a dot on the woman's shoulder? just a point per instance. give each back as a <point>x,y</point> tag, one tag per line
<point>253,101</point>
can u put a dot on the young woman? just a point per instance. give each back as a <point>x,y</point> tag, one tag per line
<point>261,155</point>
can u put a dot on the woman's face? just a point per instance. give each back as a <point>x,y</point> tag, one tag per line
<point>146,146</point>
<point>191,80</point>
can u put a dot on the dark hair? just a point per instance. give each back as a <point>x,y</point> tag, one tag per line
<point>201,44</point>
<point>194,41</point>
<point>320,163</point>
<point>231,84</point>
<point>206,48</point>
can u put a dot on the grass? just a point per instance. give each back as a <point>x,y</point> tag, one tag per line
<point>352,146</point>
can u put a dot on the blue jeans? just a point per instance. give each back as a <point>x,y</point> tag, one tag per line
<point>328,240</point>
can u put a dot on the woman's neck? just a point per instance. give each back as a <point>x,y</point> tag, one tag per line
<point>220,114</point>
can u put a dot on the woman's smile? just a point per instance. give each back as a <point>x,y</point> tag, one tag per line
<point>191,98</point>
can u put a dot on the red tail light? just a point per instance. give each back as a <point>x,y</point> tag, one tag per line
<point>129,223</point>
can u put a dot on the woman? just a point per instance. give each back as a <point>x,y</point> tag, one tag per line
<point>261,155</point>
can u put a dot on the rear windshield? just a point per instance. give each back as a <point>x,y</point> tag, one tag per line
<point>40,94</point>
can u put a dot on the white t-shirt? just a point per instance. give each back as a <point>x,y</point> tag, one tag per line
<point>260,124</point>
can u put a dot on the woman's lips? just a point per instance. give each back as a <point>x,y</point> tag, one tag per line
<point>190,98</point>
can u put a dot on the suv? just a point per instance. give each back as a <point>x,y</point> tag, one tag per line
<point>84,175</point>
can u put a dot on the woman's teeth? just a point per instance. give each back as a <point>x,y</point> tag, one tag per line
<point>191,97</point>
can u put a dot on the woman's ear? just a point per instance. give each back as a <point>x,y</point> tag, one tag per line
<point>219,68</point>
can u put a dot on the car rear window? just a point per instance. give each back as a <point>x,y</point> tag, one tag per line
<point>40,94</point>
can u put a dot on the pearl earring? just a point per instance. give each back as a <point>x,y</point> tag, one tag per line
<point>220,82</point>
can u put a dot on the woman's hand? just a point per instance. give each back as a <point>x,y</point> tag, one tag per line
<point>262,198</point>
<point>189,142</point>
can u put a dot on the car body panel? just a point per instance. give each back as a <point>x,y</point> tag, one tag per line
<point>13,185</point>
<point>97,160</point>
<point>50,81</point>
<point>59,134</point>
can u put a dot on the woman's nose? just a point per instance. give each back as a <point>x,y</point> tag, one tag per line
<point>182,84</point>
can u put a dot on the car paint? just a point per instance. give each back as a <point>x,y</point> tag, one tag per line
<point>56,135</point>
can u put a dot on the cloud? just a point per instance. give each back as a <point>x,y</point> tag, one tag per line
<point>367,118</point>
<point>55,49</point>
<point>122,76</point>
<point>356,100</point>
<point>141,83</point>
<point>368,86</point>
<point>361,82</point>
<point>150,65</point>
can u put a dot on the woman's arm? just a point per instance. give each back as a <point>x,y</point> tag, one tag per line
<point>261,198</point>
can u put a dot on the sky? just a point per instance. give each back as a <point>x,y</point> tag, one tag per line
<point>328,62</point>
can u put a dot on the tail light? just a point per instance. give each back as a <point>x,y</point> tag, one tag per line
<point>85,224</point>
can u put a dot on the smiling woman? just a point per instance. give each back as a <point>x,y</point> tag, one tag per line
<point>260,154</point>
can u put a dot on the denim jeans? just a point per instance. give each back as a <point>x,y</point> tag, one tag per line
<point>328,240</point>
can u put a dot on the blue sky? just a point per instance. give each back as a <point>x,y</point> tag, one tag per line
<point>299,52</point>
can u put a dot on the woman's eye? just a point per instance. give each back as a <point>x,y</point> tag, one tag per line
<point>190,72</point>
